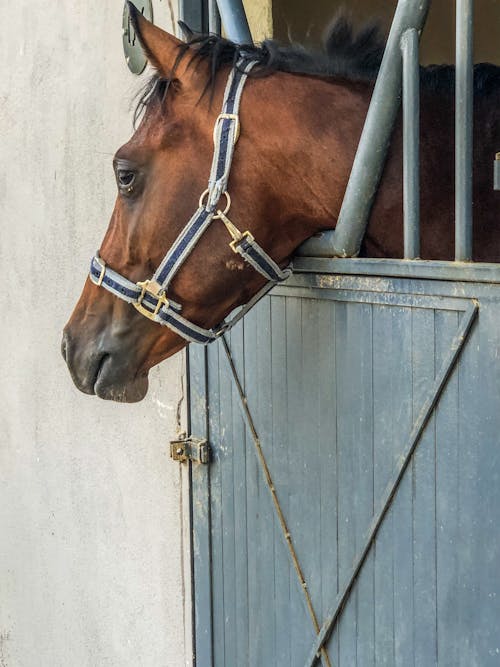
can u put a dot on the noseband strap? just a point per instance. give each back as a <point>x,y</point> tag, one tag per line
<point>150,296</point>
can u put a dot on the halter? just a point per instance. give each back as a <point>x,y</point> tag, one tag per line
<point>149,297</point>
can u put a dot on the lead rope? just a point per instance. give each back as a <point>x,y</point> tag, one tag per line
<point>323,653</point>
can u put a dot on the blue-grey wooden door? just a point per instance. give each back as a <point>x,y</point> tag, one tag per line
<point>336,370</point>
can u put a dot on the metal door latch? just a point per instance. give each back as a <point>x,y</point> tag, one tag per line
<point>189,448</point>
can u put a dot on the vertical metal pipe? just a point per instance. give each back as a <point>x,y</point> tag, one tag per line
<point>464,100</point>
<point>496,172</point>
<point>213,17</point>
<point>372,150</point>
<point>235,21</point>
<point>192,14</point>
<point>411,132</point>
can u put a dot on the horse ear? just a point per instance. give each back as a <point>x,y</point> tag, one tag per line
<point>161,48</point>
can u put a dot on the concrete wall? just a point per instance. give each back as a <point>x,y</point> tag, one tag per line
<point>92,547</point>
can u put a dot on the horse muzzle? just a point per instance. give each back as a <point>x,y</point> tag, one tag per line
<point>98,368</point>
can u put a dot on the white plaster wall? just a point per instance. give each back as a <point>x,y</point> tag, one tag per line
<point>92,546</point>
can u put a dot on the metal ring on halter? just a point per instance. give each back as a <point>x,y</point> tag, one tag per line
<point>224,194</point>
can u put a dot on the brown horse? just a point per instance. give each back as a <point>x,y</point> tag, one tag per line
<point>301,119</point>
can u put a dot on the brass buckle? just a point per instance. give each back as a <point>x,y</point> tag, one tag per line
<point>154,289</point>
<point>245,235</point>
<point>102,264</point>
<point>230,116</point>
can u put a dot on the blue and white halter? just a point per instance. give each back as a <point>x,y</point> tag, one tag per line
<point>150,296</point>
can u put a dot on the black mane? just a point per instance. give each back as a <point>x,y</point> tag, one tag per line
<point>346,54</point>
<point>355,56</point>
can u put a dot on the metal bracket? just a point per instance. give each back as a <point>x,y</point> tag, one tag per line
<point>134,54</point>
<point>189,448</point>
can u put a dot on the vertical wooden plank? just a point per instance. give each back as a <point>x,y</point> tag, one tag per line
<point>254,491</point>
<point>200,499</point>
<point>486,484</point>
<point>364,494</point>
<point>295,414</point>
<point>338,314</point>
<point>239,445</point>
<point>282,479</point>
<point>217,562</point>
<point>424,496</point>
<point>265,537</point>
<point>309,456</point>
<point>384,403</point>
<point>345,341</point>
<point>477,598</point>
<point>227,518</point>
<point>447,500</point>
<point>402,510</point>
<point>300,630</point>
<point>354,423</point>
<point>327,435</point>
<point>470,427</point>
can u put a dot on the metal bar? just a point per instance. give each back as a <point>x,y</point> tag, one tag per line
<point>247,415</point>
<point>411,135</point>
<point>345,240</point>
<point>234,20</point>
<point>464,101</point>
<point>192,14</point>
<point>496,172</point>
<point>425,413</point>
<point>372,150</point>
<point>213,18</point>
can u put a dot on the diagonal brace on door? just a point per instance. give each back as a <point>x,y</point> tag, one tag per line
<point>426,411</point>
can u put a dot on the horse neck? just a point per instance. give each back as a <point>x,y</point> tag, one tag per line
<point>322,122</point>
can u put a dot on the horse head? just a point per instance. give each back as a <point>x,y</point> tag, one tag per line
<point>161,172</point>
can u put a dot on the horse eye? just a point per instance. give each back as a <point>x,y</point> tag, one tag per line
<point>125,179</point>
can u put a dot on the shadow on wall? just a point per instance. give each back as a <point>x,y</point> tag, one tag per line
<point>302,22</point>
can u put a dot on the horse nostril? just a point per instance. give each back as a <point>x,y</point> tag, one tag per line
<point>64,346</point>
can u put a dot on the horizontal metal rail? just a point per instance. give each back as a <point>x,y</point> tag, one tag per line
<point>475,272</point>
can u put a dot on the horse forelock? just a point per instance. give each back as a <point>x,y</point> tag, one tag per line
<point>152,93</point>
